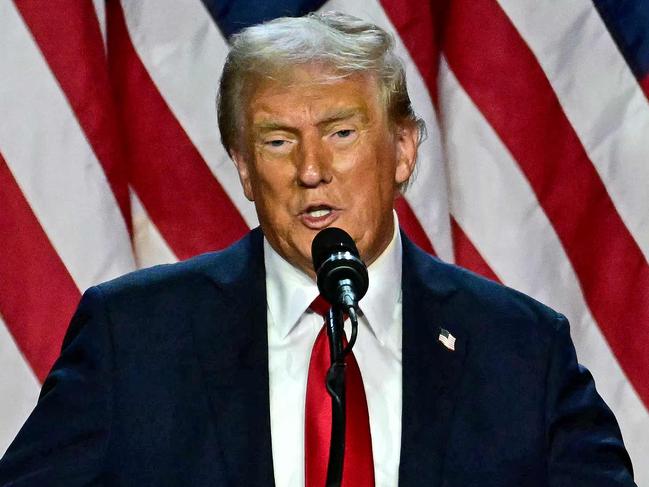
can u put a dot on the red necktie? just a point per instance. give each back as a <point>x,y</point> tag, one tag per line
<point>358,466</point>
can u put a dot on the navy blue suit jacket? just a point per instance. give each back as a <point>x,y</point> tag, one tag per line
<point>163,380</point>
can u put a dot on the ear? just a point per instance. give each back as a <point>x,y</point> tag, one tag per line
<point>243,168</point>
<point>407,137</point>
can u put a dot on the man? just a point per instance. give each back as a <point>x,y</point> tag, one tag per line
<point>198,373</point>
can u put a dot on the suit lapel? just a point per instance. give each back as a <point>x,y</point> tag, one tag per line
<point>232,345</point>
<point>431,371</point>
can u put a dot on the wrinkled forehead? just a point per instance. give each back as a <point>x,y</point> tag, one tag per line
<point>317,80</point>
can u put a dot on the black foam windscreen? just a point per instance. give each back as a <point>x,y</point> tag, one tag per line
<point>329,241</point>
<point>340,273</point>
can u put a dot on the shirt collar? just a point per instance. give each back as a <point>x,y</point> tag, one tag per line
<point>384,291</point>
<point>289,291</point>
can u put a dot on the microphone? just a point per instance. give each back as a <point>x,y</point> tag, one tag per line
<point>341,274</point>
<point>342,280</point>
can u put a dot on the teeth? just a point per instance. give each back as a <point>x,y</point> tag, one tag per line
<point>319,213</point>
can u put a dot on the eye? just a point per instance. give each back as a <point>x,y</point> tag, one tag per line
<point>275,143</point>
<point>344,133</point>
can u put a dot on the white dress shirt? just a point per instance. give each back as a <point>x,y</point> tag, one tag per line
<point>292,330</point>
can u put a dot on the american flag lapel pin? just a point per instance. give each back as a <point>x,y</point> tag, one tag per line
<point>447,339</point>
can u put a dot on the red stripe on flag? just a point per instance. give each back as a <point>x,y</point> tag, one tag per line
<point>180,194</point>
<point>502,76</point>
<point>37,294</point>
<point>466,255</point>
<point>418,24</point>
<point>69,37</point>
<point>644,84</point>
<point>408,221</point>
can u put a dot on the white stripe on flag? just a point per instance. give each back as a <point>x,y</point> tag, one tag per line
<point>53,164</point>
<point>19,388</point>
<point>516,239</point>
<point>594,85</point>
<point>184,58</point>
<point>150,248</point>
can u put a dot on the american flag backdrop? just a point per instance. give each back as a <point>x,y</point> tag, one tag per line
<point>535,171</point>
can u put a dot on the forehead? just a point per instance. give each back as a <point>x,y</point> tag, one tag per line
<point>312,91</point>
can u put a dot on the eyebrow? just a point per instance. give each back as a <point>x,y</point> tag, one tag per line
<point>343,114</point>
<point>333,117</point>
<point>269,126</point>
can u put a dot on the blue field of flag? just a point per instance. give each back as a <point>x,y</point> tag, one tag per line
<point>628,22</point>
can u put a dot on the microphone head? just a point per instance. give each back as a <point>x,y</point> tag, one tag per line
<point>329,241</point>
<point>336,258</point>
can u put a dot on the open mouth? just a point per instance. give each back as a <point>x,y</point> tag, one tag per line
<point>318,211</point>
<point>318,216</point>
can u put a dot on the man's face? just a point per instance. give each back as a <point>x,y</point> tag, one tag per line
<point>319,153</point>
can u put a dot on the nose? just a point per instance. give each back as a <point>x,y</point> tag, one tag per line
<point>314,163</point>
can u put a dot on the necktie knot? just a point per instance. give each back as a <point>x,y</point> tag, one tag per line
<point>320,305</point>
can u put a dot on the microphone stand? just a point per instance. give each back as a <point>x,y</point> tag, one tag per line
<point>342,279</point>
<point>335,383</point>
